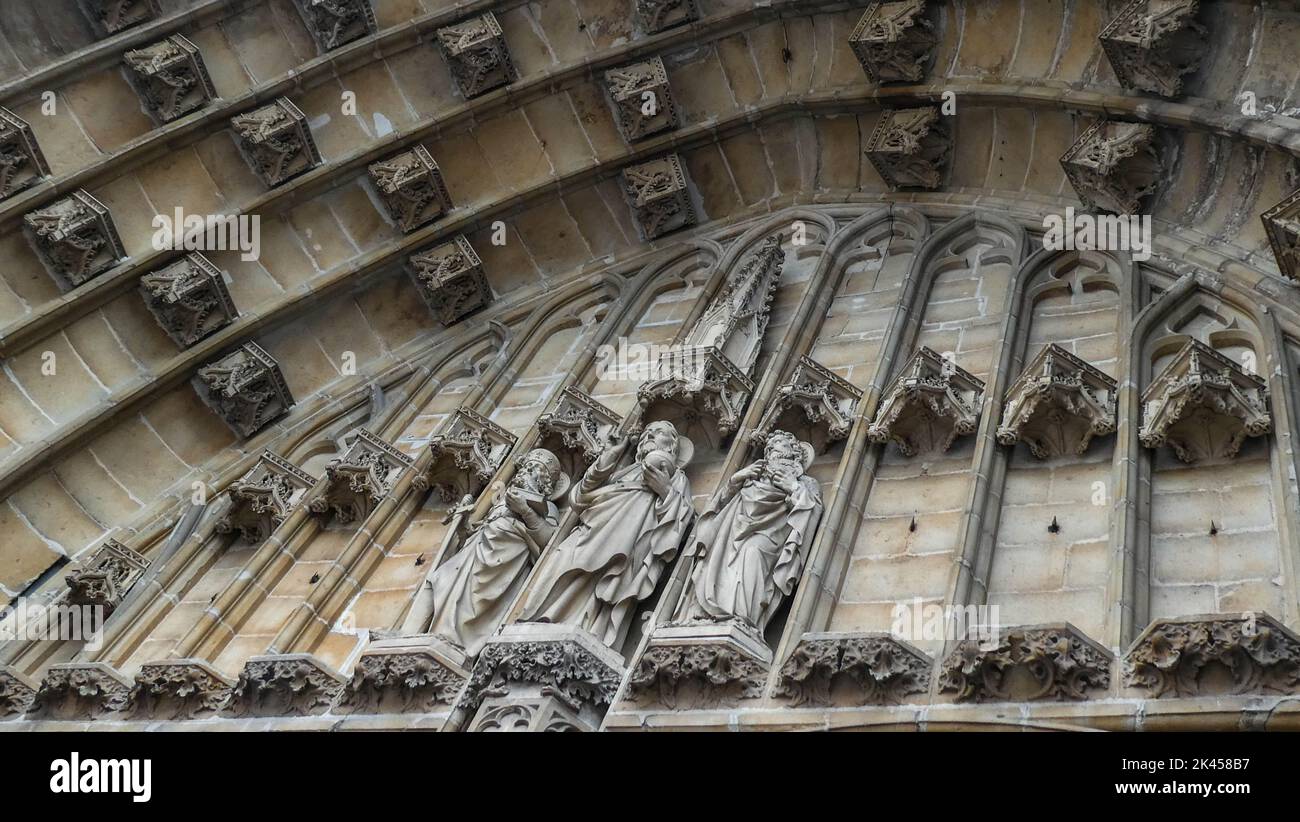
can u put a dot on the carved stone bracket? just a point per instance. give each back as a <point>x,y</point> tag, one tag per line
<point>1114,165</point>
<point>659,195</point>
<point>1203,405</point>
<point>577,425</point>
<point>262,498</point>
<point>104,579</point>
<point>543,714</point>
<point>1057,405</point>
<point>931,403</point>
<point>81,690</point>
<point>276,141</point>
<point>911,147</point>
<point>334,23</point>
<point>870,668</point>
<point>1214,654</point>
<point>411,186</point>
<point>180,689</point>
<point>245,388</point>
<point>642,99</point>
<point>815,398</point>
<point>658,15</point>
<point>477,53</point>
<point>1282,222</point>
<point>450,278</point>
<point>17,692</point>
<point>703,380</point>
<point>356,482</point>
<point>715,663</point>
<point>189,298</point>
<point>894,41</point>
<point>414,674</point>
<point>1152,44</point>
<point>170,77</point>
<point>285,685</point>
<point>112,16</point>
<point>75,237</point>
<point>1035,662</point>
<point>466,454</point>
<point>22,164</point>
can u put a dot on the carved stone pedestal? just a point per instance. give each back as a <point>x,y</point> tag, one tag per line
<point>285,685</point>
<point>854,669</point>
<point>356,482</point>
<point>334,23</point>
<point>244,388</point>
<point>1054,661</point>
<point>704,383</point>
<point>658,15</point>
<point>105,578</point>
<point>189,299</point>
<point>276,141</point>
<point>576,429</point>
<point>816,405</point>
<point>911,147</point>
<point>411,186</point>
<point>450,278</point>
<point>81,691</point>
<point>477,53</point>
<point>112,16</point>
<point>1152,44</point>
<point>1203,405</point>
<point>262,498</point>
<point>700,665</point>
<point>170,77</point>
<point>21,162</point>
<point>1282,222</point>
<point>1214,654</point>
<point>75,237</point>
<point>1057,405</point>
<point>895,41</point>
<point>180,689</point>
<point>466,454</point>
<point>642,99</point>
<point>659,195</point>
<point>17,691</point>
<point>541,677</point>
<point>410,674</point>
<point>1114,165</point>
<point>927,406</point>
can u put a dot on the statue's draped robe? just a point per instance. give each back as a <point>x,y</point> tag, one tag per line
<point>471,592</point>
<point>613,559</point>
<point>754,548</point>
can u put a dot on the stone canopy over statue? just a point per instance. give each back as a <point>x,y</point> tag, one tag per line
<point>630,527</point>
<point>752,545</point>
<point>465,599</point>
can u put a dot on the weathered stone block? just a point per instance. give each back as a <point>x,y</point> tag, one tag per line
<point>189,298</point>
<point>22,164</point>
<point>276,141</point>
<point>450,278</point>
<point>245,388</point>
<point>658,15</point>
<point>334,23</point>
<point>112,16</point>
<point>477,53</point>
<point>895,41</point>
<point>911,148</point>
<point>1152,44</point>
<point>1282,222</point>
<point>642,99</point>
<point>411,185</point>
<point>75,237</point>
<point>1114,165</point>
<point>659,195</point>
<point>170,77</point>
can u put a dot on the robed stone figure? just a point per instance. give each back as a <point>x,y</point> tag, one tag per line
<point>468,596</point>
<point>753,542</point>
<point>630,526</point>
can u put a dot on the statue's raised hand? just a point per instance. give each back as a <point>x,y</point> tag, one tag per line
<point>657,476</point>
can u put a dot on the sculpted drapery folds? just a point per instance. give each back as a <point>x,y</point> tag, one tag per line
<point>466,598</point>
<point>630,526</point>
<point>756,538</point>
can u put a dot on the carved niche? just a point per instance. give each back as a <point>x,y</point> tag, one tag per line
<point>642,99</point>
<point>22,164</point>
<point>356,482</point>
<point>411,186</point>
<point>244,388</point>
<point>415,674</point>
<point>276,141</point>
<point>104,579</point>
<point>180,689</point>
<point>658,15</point>
<point>17,692</point>
<point>927,406</point>
<point>894,41</point>
<point>450,279</point>
<point>262,498</point>
<point>1282,222</point>
<point>1215,654</point>
<point>112,16</point>
<point>1203,405</point>
<point>477,53</point>
<point>911,147</point>
<point>1057,405</point>
<point>466,454</point>
<point>700,666</point>
<point>285,685</point>
<point>857,669</point>
<point>576,429</point>
<point>170,77</point>
<point>1034,662</point>
<point>711,372</point>
<point>659,195</point>
<point>1114,165</point>
<point>81,690</point>
<point>334,23</point>
<point>1151,44</point>
<point>189,299</point>
<point>75,237</point>
<point>816,404</point>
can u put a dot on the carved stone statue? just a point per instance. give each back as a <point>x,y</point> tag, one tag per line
<point>755,540</point>
<point>466,598</point>
<point>630,526</point>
